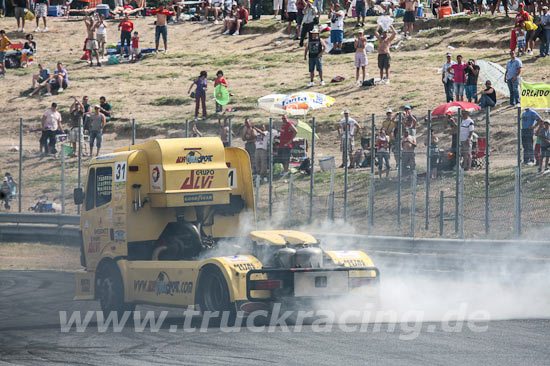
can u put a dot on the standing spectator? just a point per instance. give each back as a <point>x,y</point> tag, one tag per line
<point>383,152</point>
<point>409,18</point>
<point>19,10</point>
<point>318,4</point>
<point>347,138</point>
<point>488,96</point>
<point>308,23</point>
<point>161,28</point>
<point>521,17</point>
<point>288,132</point>
<point>51,123</point>
<point>529,122</point>
<point>545,23</point>
<point>261,152</point>
<point>408,145</point>
<point>4,47</point>
<point>512,75</point>
<point>277,5</point>
<point>200,93</point>
<point>447,76</point>
<point>91,42</point>
<point>472,72</point>
<point>224,132</point>
<point>314,49</point>
<point>360,12</point>
<point>520,40</point>
<point>59,81</point>
<point>105,108</point>
<point>220,79</point>
<point>434,154</point>
<point>97,124</point>
<point>76,111</point>
<point>41,11</point>
<point>291,16</point>
<point>410,121</point>
<point>101,35</point>
<point>466,135</point>
<point>336,16</point>
<point>390,125</point>
<point>126,27</point>
<point>384,57</point>
<point>135,47</point>
<point>361,60</point>
<point>249,138</point>
<point>544,135</point>
<point>256,10</point>
<point>195,131</point>
<point>459,77</point>
<point>41,78</point>
<point>2,8</point>
<point>300,5</point>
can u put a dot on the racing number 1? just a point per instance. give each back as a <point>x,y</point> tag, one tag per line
<point>232,178</point>
<point>120,171</point>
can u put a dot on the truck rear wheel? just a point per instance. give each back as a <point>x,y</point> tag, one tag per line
<point>111,291</point>
<point>213,294</point>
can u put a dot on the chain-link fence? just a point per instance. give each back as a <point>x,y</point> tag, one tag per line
<point>499,201</point>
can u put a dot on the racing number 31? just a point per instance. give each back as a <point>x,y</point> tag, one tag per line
<point>120,171</point>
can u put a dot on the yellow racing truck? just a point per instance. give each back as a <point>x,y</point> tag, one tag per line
<point>165,222</point>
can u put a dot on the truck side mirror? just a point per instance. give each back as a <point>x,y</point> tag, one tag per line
<point>78,196</point>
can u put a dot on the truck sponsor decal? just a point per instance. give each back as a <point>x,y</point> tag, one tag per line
<point>156,178</point>
<point>206,197</point>
<point>351,254</point>
<point>194,157</point>
<point>95,241</point>
<point>237,259</point>
<point>354,263</point>
<point>163,286</point>
<point>243,267</point>
<point>198,179</point>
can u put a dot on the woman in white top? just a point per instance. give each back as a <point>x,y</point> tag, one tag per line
<point>101,34</point>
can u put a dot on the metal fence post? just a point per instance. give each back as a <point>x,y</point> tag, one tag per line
<point>346,130</point>
<point>270,163</point>
<point>461,204</point>
<point>399,169</point>
<point>518,179</point>
<point>290,193</point>
<point>230,131</point>
<point>457,167</point>
<point>79,157</point>
<point>312,175</point>
<point>441,200</point>
<point>428,169</point>
<point>19,202</point>
<point>331,196</point>
<point>257,194</point>
<point>186,128</point>
<point>62,179</point>
<point>133,131</point>
<point>487,211</point>
<point>371,181</point>
<point>413,203</point>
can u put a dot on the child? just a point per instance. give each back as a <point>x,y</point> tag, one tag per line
<point>219,80</point>
<point>4,46</point>
<point>135,47</point>
<point>520,40</point>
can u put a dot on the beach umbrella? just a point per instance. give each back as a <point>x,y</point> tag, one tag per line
<point>300,103</point>
<point>453,108</point>
<point>304,130</point>
<point>271,103</point>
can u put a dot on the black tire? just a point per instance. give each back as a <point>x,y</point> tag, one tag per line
<point>110,291</point>
<point>213,293</point>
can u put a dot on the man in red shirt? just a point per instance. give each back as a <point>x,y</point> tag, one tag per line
<point>126,27</point>
<point>288,132</point>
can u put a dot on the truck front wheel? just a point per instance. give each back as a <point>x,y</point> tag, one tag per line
<point>111,291</point>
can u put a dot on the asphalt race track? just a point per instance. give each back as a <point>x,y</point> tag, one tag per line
<point>30,334</point>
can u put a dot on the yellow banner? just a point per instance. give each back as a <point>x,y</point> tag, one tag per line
<point>535,95</point>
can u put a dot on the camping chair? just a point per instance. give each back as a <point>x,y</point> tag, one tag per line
<point>478,153</point>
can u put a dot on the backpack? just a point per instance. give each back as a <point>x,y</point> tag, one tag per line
<point>371,12</point>
<point>13,61</point>
<point>369,82</point>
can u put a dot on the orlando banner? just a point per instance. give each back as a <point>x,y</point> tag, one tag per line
<point>535,95</point>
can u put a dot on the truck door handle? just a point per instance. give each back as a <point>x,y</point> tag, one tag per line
<point>112,232</point>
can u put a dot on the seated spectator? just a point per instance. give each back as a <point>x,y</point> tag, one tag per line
<point>105,108</point>
<point>237,21</point>
<point>29,49</point>
<point>41,78</point>
<point>488,96</point>
<point>59,81</point>
<point>212,6</point>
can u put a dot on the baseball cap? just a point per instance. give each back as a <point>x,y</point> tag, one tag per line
<point>547,122</point>
<point>545,7</point>
<point>449,113</point>
<point>449,54</point>
<point>97,106</point>
<point>389,110</point>
<point>315,30</point>
<point>521,5</point>
<point>346,111</point>
<point>408,107</point>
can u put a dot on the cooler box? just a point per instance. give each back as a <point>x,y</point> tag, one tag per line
<point>103,10</point>
<point>54,11</point>
<point>420,11</point>
<point>442,12</point>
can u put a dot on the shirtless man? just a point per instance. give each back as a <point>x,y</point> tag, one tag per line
<point>161,28</point>
<point>360,56</point>
<point>384,43</point>
<point>224,132</point>
<point>91,42</point>
<point>408,19</point>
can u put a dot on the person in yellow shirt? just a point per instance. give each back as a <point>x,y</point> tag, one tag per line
<point>4,46</point>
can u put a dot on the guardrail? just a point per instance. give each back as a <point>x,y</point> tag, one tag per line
<point>55,228</point>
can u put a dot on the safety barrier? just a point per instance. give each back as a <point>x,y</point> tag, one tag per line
<point>54,228</point>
